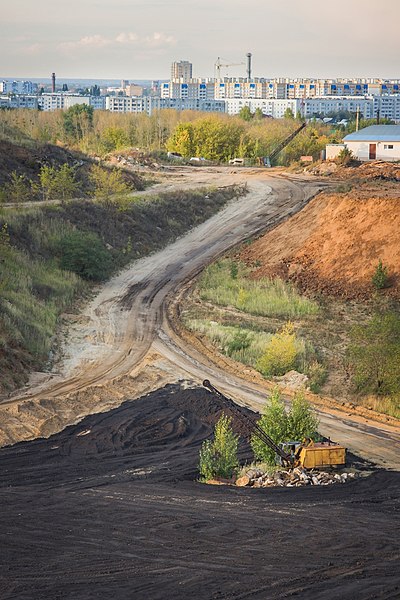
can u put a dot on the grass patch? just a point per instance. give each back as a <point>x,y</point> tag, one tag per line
<point>239,343</point>
<point>228,283</point>
<point>47,252</point>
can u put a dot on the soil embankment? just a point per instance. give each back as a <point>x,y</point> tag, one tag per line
<point>109,507</point>
<point>334,244</point>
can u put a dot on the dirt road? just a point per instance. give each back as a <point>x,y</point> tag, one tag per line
<point>124,330</point>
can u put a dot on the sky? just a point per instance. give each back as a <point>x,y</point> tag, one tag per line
<point>138,39</point>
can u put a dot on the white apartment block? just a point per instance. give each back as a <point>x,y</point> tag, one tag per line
<point>60,101</point>
<point>316,107</point>
<point>210,105</point>
<point>148,104</point>
<point>193,89</point>
<point>274,108</point>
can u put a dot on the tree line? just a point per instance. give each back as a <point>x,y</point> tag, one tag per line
<point>216,137</point>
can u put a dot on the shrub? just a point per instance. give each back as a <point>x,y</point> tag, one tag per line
<point>109,185</point>
<point>317,375</point>
<point>300,422</point>
<point>345,157</point>
<point>218,458</point>
<point>280,353</point>
<point>84,254</point>
<point>380,277</point>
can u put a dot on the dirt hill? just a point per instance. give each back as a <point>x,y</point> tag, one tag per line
<point>27,161</point>
<point>334,244</point>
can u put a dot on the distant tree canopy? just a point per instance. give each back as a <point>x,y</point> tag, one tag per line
<point>77,121</point>
<point>221,139</point>
<point>191,133</point>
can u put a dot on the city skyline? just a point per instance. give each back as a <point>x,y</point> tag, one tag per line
<point>139,40</point>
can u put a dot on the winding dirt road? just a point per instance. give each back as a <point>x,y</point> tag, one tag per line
<point>124,331</point>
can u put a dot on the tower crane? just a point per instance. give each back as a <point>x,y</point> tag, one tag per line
<point>218,64</point>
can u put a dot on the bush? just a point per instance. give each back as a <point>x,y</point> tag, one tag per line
<point>281,353</point>
<point>84,254</point>
<point>317,375</point>
<point>345,157</point>
<point>218,458</point>
<point>380,277</point>
<point>300,422</point>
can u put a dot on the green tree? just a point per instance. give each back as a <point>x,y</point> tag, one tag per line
<point>77,121</point>
<point>47,179</point>
<point>18,189</point>
<point>218,458</point>
<point>182,140</point>
<point>380,277</point>
<point>280,353</point>
<point>57,184</point>
<point>274,422</point>
<point>258,114</point>
<point>84,254</point>
<point>302,421</point>
<point>288,114</point>
<point>65,185</point>
<point>374,355</point>
<point>109,185</point>
<point>282,426</point>
<point>245,113</point>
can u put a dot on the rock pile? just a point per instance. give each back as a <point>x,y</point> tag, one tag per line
<point>296,477</point>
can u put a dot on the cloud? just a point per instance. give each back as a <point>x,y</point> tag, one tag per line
<point>158,40</point>
<point>155,41</point>
<point>127,38</point>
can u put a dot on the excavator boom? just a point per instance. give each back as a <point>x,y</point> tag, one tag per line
<point>251,425</point>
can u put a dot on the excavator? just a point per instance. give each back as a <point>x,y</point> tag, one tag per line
<point>307,454</point>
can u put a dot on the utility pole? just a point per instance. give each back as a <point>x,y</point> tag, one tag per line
<point>358,118</point>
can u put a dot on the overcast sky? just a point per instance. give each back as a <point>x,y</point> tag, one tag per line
<point>138,39</point>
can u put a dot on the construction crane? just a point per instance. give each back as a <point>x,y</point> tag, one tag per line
<point>268,159</point>
<point>306,454</point>
<point>219,64</point>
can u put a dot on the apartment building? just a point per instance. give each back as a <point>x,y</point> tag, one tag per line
<point>19,101</point>
<point>59,101</point>
<point>182,71</point>
<point>17,87</point>
<point>274,107</point>
<point>149,104</point>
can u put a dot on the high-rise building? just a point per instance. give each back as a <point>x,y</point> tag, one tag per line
<point>181,71</point>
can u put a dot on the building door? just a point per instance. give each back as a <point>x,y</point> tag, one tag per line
<point>372,151</point>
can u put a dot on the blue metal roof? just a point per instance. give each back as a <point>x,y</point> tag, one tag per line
<point>375,133</point>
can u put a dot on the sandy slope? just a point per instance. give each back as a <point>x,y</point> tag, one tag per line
<point>336,242</point>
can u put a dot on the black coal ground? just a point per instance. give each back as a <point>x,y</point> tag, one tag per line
<point>110,508</point>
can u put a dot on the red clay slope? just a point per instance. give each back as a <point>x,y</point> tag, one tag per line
<point>334,244</point>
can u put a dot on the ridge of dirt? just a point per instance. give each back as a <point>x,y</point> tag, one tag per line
<point>333,245</point>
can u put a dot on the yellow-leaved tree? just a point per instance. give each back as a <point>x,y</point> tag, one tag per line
<point>280,353</point>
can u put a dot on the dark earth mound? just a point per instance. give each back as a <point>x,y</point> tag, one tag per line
<point>110,508</point>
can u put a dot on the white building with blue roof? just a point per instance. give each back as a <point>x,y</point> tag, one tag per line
<point>378,142</point>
